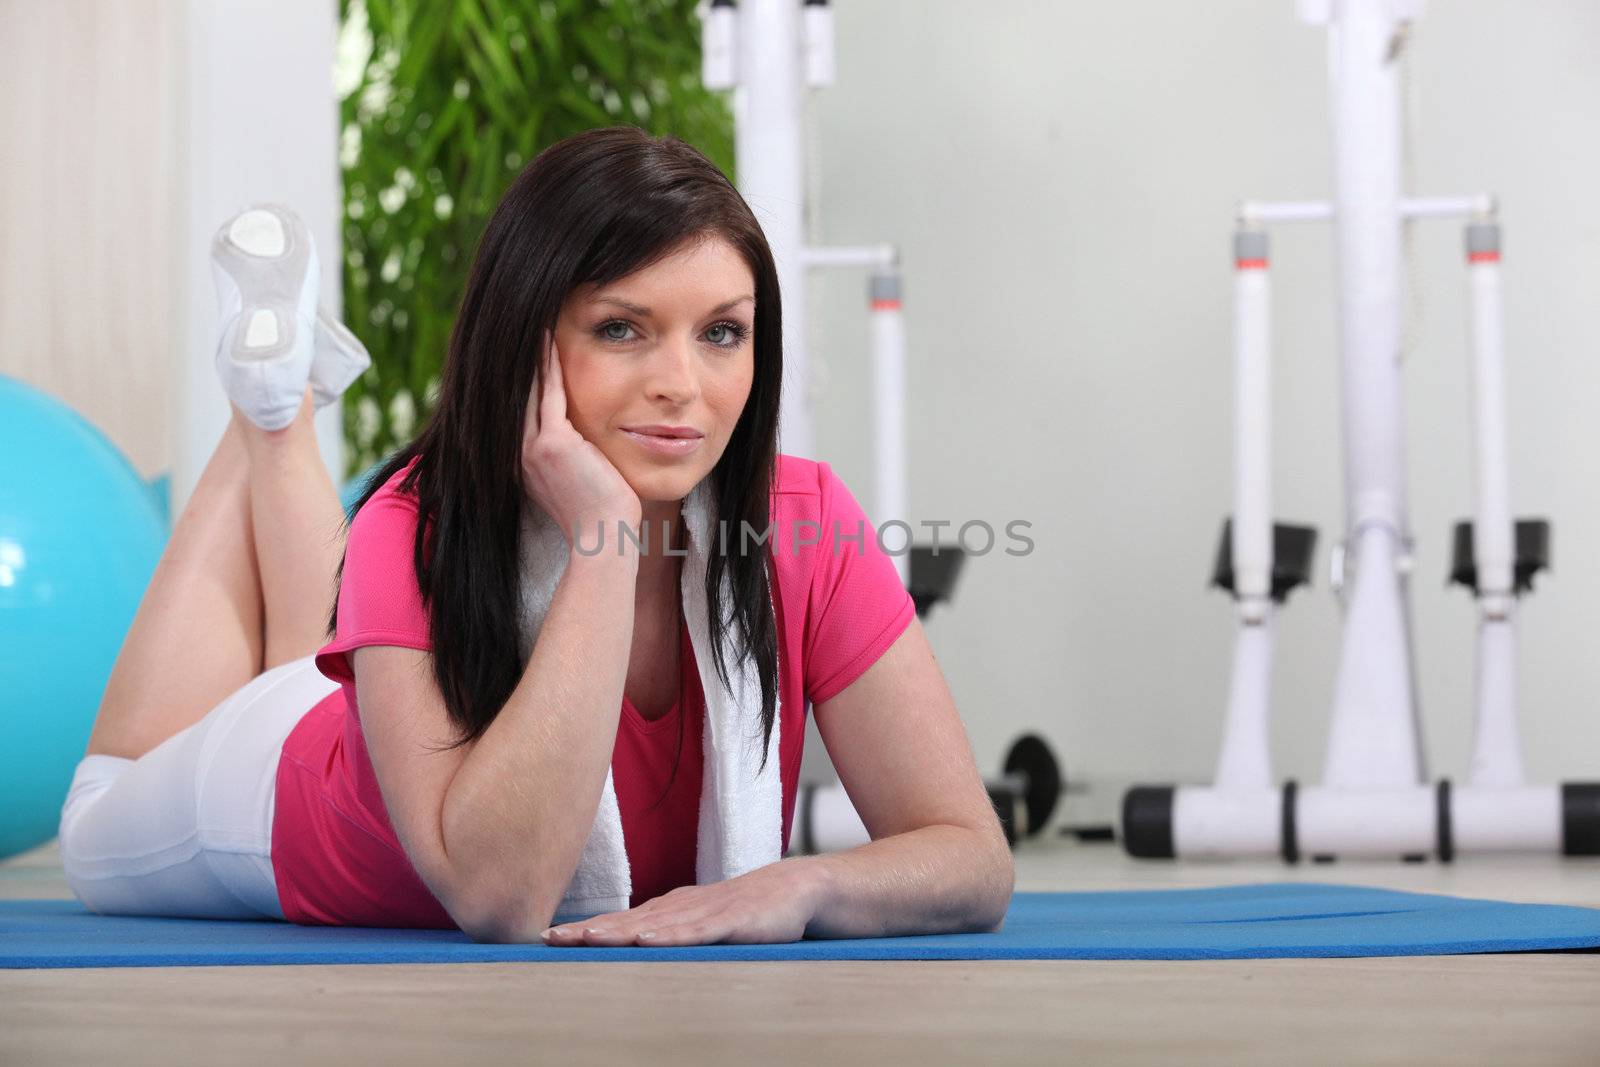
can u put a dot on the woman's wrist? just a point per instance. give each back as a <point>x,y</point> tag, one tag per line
<point>598,539</point>
<point>611,557</point>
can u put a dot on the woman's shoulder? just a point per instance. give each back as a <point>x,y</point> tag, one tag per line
<point>380,602</point>
<point>813,512</point>
<point>808,488</point>
<point>383,531</point>
<point>794,473</point>
<point>390,504</point>
<point>797,479</point>
<point>391,488</point>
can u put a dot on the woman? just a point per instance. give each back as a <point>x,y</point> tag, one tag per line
<point>421,769</point>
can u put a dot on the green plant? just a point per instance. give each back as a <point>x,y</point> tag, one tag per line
<point>442,102</point>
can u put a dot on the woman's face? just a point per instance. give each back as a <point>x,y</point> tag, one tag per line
<point>672,345</point>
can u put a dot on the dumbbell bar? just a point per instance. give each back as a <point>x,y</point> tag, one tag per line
<point>1165,822</point>
<point>1024,797</point>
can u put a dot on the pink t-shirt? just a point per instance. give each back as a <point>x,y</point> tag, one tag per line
<point>335,855</point>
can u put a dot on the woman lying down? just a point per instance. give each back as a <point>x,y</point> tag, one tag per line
<point>575,624</point>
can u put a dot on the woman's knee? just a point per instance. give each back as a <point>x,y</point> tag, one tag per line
<point>95,774</point>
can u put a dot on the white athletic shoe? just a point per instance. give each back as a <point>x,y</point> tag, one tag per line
<point>340,359</point>
<point>266,272</point>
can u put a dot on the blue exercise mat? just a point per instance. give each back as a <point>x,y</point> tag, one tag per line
<point>1234,922</point>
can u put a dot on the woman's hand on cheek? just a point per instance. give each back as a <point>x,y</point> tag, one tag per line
<point>570,479</point>
<point>769,905</point>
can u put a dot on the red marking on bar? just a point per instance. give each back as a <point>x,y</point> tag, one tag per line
<point>1483,257</point>
<point>1250,264</point>
<point>886,305</point>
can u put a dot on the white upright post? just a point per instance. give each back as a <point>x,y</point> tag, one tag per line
<point>768,134</point>
<point>1245,760</point>
<point>1374,738</point>
<point>889,409</point>
<point>719,46</point>
<point>1496,749</point>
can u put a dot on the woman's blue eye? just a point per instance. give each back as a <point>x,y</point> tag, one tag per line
<point>735,332</point>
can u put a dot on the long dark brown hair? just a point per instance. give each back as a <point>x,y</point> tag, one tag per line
<point>589,209</point>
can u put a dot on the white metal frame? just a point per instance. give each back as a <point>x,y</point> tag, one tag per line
<point>1374,799</point>
<point>769,52</point>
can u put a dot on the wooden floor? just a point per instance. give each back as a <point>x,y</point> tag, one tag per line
<point>1497,1009</point>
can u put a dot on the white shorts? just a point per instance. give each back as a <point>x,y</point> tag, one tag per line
<point>186,829</point>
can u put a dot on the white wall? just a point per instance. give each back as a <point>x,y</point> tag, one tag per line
<point>1062,178</point>
<point>260,123</point>
<point>85,168</point>
<point>131,130</point>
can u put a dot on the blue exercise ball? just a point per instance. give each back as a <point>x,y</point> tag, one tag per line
<point>80,536</point>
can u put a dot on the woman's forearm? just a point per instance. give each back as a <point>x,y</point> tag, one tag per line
<point>519,809</point>
<point>936,880</point>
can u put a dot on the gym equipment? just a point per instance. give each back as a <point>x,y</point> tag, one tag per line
<point>1373,799</point>
<point>769,51</point>
<point>1026,793</point>
<point>933,575</point>
<point>1024,796</point>
<point>1233,922</point>
<point>80,535</point>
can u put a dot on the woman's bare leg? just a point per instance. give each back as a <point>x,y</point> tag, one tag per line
<point>299,536</point>
<point>197,634</point>
<point>244,585</point>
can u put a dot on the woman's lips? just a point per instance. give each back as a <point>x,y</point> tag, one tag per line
<point>666,446</point>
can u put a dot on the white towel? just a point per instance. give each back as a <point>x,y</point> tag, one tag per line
<point>741,815</point>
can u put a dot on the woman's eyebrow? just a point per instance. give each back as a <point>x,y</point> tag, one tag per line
<point>646,312</point>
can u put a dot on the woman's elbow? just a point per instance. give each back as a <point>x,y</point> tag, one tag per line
<point>504,919</point>
<point>520,925</point>
<point>1000,885</point>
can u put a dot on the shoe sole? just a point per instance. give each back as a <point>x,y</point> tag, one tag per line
<point>268,257</point>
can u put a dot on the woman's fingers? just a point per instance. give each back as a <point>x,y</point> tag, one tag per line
<point>689,919</point>
<point>617,927</point>
<point>556,394</point>
<point>538,386</point>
